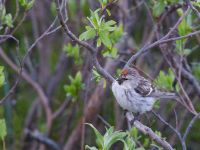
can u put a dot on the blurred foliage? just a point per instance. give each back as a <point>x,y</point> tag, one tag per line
<point>97,77</point>
<point>104,142</point>
<point>165,81</point>
<point>196,3</point>
<point>5,18</point>
<point>3,132</point>
<point>196,71</point>
<point>2,77</point>
<point>26,4</point>
<point>106,31</point>
<point>184,28</point>
<point>75,86</point>
<point>73,51</point>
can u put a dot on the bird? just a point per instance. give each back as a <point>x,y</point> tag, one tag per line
<point>135,93</point>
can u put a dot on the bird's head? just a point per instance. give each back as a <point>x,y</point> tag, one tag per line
<point>127,74</point>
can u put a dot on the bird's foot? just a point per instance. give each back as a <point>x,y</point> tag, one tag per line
<point>125,111</point>
<point>136,117</point>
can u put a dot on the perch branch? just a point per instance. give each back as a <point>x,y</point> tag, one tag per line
<point>148,131</point>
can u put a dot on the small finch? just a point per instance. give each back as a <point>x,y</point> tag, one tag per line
<point>135,93</point>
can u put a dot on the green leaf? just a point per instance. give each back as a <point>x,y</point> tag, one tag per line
<point>165,80</point>
<point>110,52</point>
<point>8,20</point>
<point>196,3</point>
<point>196,71</point>
<point>104,36</point>
<point>3,129</point>
<point>129,143</point>
<point>73,51</point>
<point>98,42</point>
<point>110,23</point>
<point>75,86</point>
<point>116,34</point>
<point>108,12</point>
<point>111,137</point>
<point>22,3</point>
<point>88,34</point>
<point>96,76</point>
<point>134,132</point>
<point>30,4</point>
<point>90,148</point>
<point>184,28</point>
<point>2,12</point>
<point>158,8</point>
<point>53,8</point>
<point>99,137</point>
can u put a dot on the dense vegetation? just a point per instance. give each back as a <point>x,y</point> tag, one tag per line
<point>58,59</point>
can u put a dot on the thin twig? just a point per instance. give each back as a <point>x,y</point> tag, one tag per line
<point>61,109</point>
<point>162,40</point>
<point>90,48</point>
<point>172,128</point>
<point>193,8</point>
<point>190,126</point>
<point>103,120</point>
<point>36,135</point>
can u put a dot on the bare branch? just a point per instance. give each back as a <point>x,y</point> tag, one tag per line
<point>172,128</point>
<point>193,8</point>
<point>148,131</point>
<point>148,46</point>
<point>35,85</point>
<point>190,126</point>
<point>62,108</point>
<point>92,50</point>
<point>36,135</point>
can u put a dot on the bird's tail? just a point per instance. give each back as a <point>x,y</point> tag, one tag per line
<point>164,95</point>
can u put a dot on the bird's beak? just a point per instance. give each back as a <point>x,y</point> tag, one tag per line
<point>120,80</point>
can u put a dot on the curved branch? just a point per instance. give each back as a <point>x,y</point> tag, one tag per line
<point>35,85</point>
<point>190,126</point>
<point>91,49</point>
<point>160,41</point>
<point>148,131</point>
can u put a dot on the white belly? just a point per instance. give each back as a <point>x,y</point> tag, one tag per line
<point>130,100</point>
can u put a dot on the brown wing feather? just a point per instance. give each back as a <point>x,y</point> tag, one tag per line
<point>144,87</point>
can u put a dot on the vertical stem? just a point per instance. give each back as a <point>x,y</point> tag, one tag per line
<point>4,144</point>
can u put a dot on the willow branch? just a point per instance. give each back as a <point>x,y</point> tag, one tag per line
<point>160,41</point>
<point>35,85</point>
<point>148,131</point>
<point>36,135</point>
<point>90,48</point>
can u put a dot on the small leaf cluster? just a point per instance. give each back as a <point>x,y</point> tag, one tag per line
<point>159,6</point>
<point>2,77</point>
<point>103,4</point>
<point>26,4</point>
<point>97,77</point>
<point>75,86</point>
<point>5,19</point>
<point>196,3</point>
<point>165,80</point>
<point>184,28</point>
<point>104,142</point>
<point>106,32</point>
<point>73,51</point>
<point>73,8</point>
